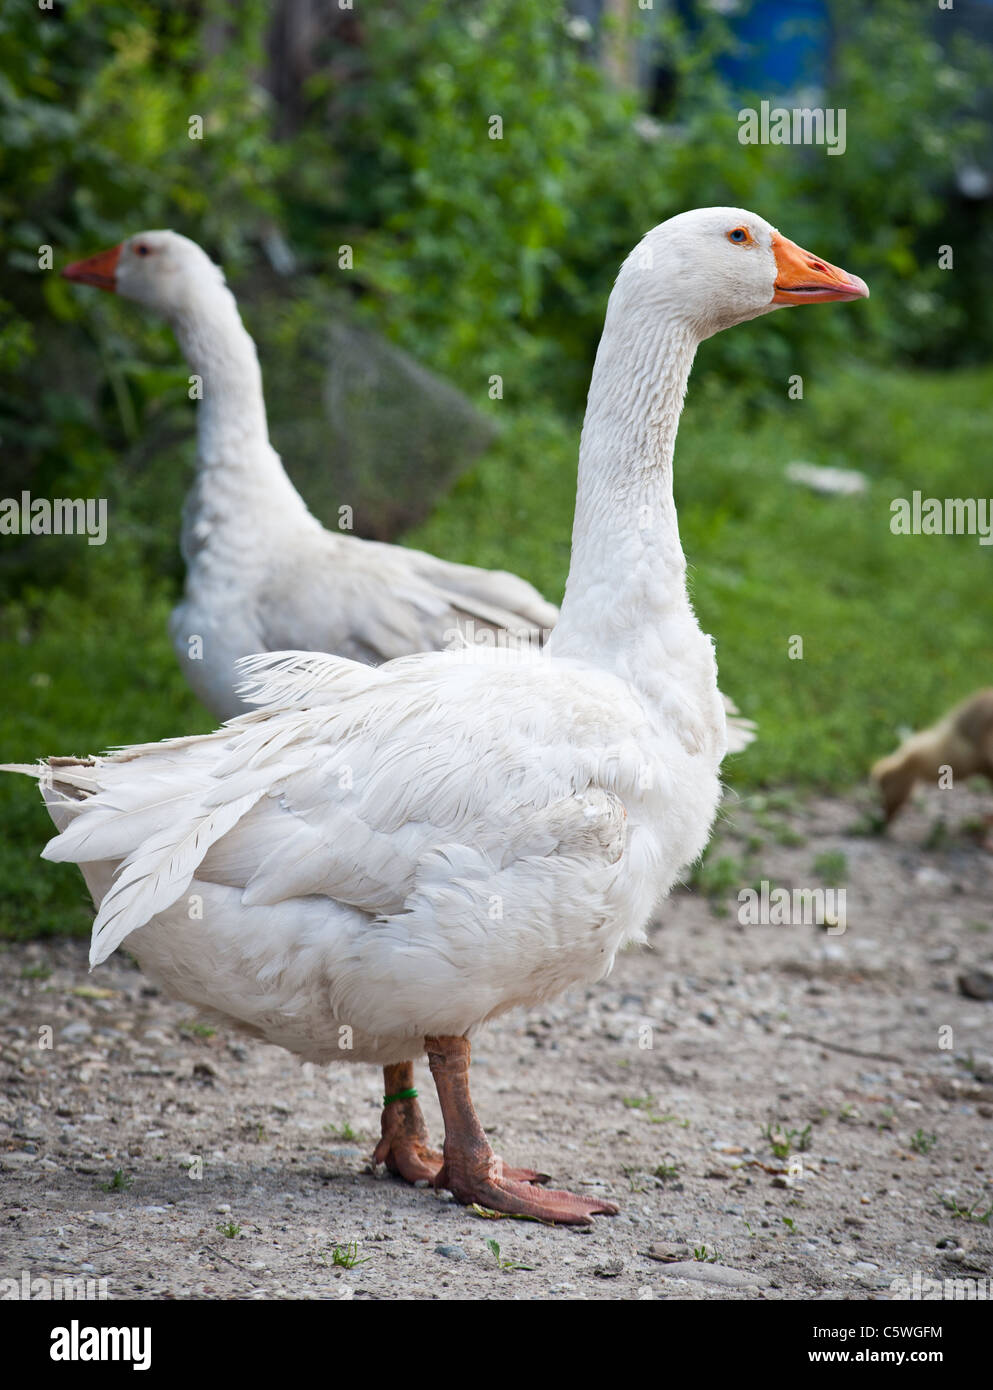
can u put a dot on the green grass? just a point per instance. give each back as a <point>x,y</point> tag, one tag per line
<point>895,628</point>
<point>346,1256</point>
<point>83,670</point>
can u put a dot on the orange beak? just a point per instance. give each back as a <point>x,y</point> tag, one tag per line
<point>803,279</point>
<point>99,270</point>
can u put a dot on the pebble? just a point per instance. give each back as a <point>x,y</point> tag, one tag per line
<point>976,984</point>
<point>926,877</point>
<point>713,1274</point>
<point>75,1032</point>
<point>942,955</point>
<point>17,1159</point>
<point>451,1252</point>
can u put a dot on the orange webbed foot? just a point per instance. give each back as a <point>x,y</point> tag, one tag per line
<point>493,1187</point>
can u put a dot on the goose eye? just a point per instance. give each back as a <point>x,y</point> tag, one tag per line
<point>739,235</point>
<point>142,250</point>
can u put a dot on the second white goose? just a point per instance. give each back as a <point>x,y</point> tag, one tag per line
<point>262,573</point>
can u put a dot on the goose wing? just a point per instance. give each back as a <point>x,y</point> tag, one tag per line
<point>352,783</point>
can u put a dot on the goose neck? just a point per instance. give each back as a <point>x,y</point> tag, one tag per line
<point>627,577</point>
<point>228,380</point>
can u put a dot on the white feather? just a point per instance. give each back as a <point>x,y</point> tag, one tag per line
<point>156,873</point>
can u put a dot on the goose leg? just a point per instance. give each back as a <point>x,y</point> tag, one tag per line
<point>405,1147</point>
<point>471,1170</point>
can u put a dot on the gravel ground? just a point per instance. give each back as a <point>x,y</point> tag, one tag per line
<point>670,1087</point>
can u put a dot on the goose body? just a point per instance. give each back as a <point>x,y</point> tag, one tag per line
<point>400,852</point>
<point>376,861</point>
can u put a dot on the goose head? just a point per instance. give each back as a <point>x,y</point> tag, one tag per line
<point>160,269</point>
<point>714,267</point>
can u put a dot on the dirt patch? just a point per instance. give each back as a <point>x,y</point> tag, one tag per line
<point>669,1087</point>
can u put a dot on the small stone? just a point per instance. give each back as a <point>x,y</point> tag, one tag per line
<point>75,1032</point>
<point>451,1252</point>
<point>942,955</point>
<point>976,984</point>
<point>927,877</point>
<point>713,1274</point>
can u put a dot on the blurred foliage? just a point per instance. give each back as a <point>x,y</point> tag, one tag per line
<point>499,254</point>
<point>480,255</point>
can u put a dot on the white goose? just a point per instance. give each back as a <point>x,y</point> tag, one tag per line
<point>262,573</point>
<point>378,860</point>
